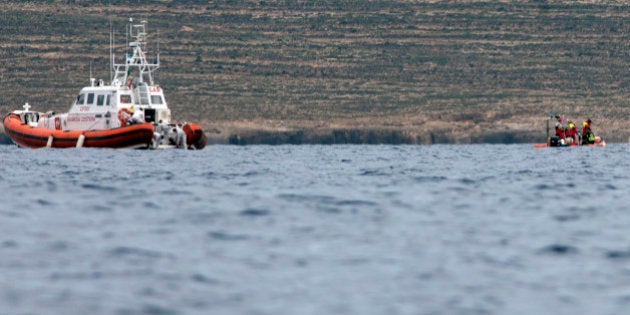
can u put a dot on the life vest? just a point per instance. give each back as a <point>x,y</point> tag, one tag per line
<point>587,136</point>
<point>559,133</point>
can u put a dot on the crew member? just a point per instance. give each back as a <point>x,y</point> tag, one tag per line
<point>587,134</point>
<point>161,131</point>
<point>559,130</point>
<point>177,137</point>
<point>570,134</point>
<point>137,116</point>
<point>163,128</point>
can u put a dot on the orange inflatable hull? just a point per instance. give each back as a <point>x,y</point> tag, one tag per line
<point>134,136</point>
<point>195,136</point>
<point>544,145</point>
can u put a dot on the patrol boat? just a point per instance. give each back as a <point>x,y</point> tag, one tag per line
<point>103,114</point>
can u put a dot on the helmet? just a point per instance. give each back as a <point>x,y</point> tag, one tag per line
<point>584,123</point>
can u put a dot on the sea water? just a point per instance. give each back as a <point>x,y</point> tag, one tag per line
<point>441,229</point>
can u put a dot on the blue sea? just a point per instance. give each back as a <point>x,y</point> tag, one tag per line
<point>348,229</point>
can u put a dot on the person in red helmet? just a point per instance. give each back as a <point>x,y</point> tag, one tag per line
<point>570,134</point>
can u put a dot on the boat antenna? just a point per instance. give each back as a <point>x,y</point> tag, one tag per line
<point>111,56</point>
<point>158,46</point>
<point>111,41</point>
<point>128,33</point>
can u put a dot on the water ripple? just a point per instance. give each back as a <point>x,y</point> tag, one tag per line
<point>126,251</point>
<point>223,236</point>
<point>255,212</point>
<point>559,249</point>
<point>618,254</point>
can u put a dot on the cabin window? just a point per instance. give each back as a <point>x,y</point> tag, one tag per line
<point>100,100</point>
<point>90,99</point>
<point>125,99</point>
<point>156,99</point>
<point>107,98</point>
<point>81,99</point>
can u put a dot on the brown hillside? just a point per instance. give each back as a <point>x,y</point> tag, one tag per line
<point>341,71</point>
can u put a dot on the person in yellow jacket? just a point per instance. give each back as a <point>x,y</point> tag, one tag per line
<point>587,133</point>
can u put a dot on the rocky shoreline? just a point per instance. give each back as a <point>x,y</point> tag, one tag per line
<point>352,136</point>
<point>370,136</point>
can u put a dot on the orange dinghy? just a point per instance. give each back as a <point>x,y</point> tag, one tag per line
<point>30,135</point>
<point>574,140</point>
<point>598,143</point>
<point>129,112</point>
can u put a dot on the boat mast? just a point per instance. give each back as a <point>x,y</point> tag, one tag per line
<point>136,59</point>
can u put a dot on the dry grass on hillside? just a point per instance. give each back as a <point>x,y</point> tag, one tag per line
<point>457,70</point>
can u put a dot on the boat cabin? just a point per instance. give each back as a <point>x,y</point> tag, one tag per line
<point>97,106</point>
